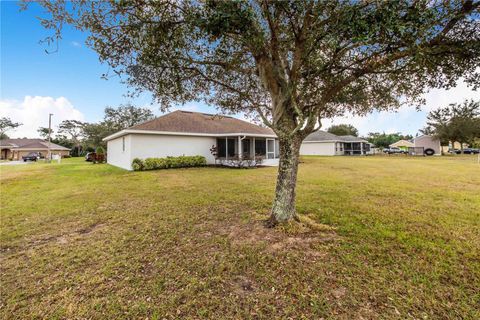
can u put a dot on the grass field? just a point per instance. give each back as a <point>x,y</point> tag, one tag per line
<point>384,238</point>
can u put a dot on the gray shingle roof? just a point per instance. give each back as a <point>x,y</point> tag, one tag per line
<point>195,122</point>
<point>30,143</point>
<point>349,138</point>
<point>321,136</point>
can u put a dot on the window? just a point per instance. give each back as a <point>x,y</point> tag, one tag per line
<point>270,149</point>
<point>225,147</point>
<point>123,144</point>
<point>221,148</point>
<point>260,147</point>
<point>246,147</point>
<point>231,147</point>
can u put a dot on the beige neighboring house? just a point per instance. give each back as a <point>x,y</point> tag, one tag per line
<point>15,149</point>
<point>402,144</point>
<point>456,145</point>
<point>193,134</point>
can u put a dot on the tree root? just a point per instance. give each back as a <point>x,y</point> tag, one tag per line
<point>272,222</point>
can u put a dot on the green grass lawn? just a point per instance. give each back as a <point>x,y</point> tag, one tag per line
<point>384,238</point>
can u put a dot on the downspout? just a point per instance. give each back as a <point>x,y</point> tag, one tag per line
<point>240,139</point>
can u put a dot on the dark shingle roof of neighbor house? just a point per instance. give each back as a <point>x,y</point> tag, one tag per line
<point>30,143</point>
<point>351,139</point>
<point>195,122</point>
<point>327,136</point>
<point>321,136</point>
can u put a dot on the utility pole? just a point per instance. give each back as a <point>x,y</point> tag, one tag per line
<point>49,135</point>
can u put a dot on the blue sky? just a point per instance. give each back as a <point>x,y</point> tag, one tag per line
<point>68,82</point>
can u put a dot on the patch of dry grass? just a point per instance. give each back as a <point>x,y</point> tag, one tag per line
<point>379,237</point>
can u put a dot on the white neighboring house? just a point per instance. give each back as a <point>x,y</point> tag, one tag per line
<point>430,145</point>
<point>186,133</point>
<point>322,143</point>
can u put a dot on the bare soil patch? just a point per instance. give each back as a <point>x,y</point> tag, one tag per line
<point>296,237</point>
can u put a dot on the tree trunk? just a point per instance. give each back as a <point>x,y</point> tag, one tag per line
<point>283,209</point>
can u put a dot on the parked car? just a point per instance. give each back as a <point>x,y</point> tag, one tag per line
<point>456,151</point>
<point>465,151</point>
<point>471,151</point>
<point>90,156</point>
<point>394,150</point>
<point>32,156</point>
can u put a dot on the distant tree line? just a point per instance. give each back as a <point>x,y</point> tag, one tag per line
<point>383,140</point>
<point>84,137</point>
<point>343,130</point>
<point>456,123</point>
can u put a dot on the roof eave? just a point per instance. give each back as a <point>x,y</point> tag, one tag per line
<point>192,134</point>
<point>317,141</point>
<point>36,148</point>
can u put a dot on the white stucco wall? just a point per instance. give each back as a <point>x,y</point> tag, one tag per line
<point>118,157</point>
<point>317,149</point>
<point>161,146</point>
<point>157,146</point>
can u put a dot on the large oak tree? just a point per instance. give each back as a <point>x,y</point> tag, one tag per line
<point>126,116</point>
<point>291,63</point>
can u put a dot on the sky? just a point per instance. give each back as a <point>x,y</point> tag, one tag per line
<point>67,83</point>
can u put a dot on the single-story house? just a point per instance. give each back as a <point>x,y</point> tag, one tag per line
<point>402,144</point>
<point>456,145</point>
<point>322,143</point>
<point>428,143</point>
<point>15,149</point>
<point>216,137</point>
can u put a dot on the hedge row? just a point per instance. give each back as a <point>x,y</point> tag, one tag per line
<point>168,162</point>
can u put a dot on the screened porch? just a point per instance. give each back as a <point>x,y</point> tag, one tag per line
<point>247,148</point>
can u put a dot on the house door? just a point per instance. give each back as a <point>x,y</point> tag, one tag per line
<point>270,148</point>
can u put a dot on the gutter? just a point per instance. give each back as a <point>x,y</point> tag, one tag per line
<point>191,134</point>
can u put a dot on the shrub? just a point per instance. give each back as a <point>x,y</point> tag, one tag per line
<point>138,164</point>
<point>168,162</point>
<point>99,155</point>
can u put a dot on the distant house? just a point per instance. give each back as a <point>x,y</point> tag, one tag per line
<point>430,144</point>
<point>215,137</point>
<point>402,144</point>
<point>456,145</point>
<point>322,143</point>
<point>15,149</point>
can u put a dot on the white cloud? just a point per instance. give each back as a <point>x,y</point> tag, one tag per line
<point>33,113</point>
<point>407,119</point>
<point>440,97</point>
<point>75,44</point>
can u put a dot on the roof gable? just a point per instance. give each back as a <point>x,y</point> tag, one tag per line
<point>402,143</point>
